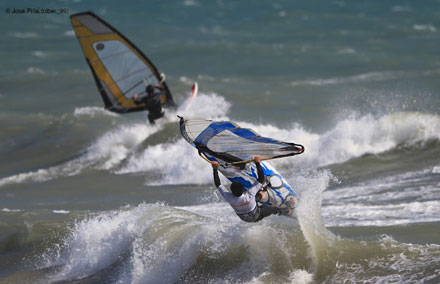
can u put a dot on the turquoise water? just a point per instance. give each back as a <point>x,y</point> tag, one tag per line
<point>89,196</point>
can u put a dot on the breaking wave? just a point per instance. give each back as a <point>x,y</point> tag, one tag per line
<point>350,138</point>
<point>121,151</point>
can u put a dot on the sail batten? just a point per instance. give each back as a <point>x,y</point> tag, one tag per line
<point>118,66</point>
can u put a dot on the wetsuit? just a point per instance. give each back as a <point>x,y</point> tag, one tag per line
<point>152,102</point>
<point>245,205</point>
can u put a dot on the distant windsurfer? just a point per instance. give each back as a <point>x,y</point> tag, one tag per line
<point>244,202</point>
<point>152,102</point>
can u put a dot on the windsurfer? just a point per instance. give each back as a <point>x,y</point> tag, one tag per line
<point>152,102</point>
<point>243,201</point>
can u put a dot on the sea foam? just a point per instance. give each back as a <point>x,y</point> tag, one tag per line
<point>350,138</point>
<point>93,111</point>
<point>159,244</point>
<point>172,161</point>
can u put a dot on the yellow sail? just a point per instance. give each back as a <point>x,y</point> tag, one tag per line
<point>120,69</point>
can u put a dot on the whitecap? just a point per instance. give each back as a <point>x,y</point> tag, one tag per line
<point>39,53</point>
<point>61,211</point>
<point>11,210</point>
<point>175,159</point>
<point>399,9</point>
<point>347,50</point>
<point>69,33</point>
<point>301,277</point>
<point>282,14</point>
<point>186,80</point>
<point>35,70</point>
<point>206,77</point>
<point>24,35</point>
<point>366,77</point>
<point>429,28</point>
<point>190,3</point>
<point>93,111</point>
<point>105,153</point>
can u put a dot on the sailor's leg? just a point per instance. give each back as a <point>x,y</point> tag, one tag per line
<point>269,210</point>
<point>152,116</point>
<point>285,211</point>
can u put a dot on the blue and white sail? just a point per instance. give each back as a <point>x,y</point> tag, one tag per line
<point>230,143</point>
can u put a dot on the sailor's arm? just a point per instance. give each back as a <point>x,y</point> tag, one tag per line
<point>260,171</point>
<point>215,174</point>
<point>137,99</point>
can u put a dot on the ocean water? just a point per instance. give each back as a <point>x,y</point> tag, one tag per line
<point>89,196</point>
